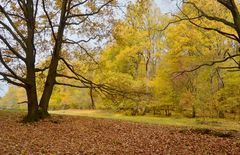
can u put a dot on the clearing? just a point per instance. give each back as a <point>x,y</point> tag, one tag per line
<point>84,135</point>
<point>205,123</point>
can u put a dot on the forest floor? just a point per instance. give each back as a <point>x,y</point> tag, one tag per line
<point>71,135</point>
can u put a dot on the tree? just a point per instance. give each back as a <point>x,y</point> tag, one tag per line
<point>32,32</point>
<point>135,52</point>
<point>188,46</point>
<point>225,20</point>
<point>205,46</point>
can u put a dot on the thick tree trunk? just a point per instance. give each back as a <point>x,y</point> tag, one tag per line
<point>32,114</point>
<point>44,102</point>
<point>48,89</point>
<point>31,88</point>
<point>52,73</point>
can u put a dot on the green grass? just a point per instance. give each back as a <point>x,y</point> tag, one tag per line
<point>209,123</point>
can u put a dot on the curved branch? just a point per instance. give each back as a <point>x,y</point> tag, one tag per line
<point>228,35</point>
<point>10,70</point>
<point>207,64</point>
<point>13,35</point>
<point>213,18</point>
<point>7,77</point>
<point>91,13</point>
<point>11,22</point>
<point>76,5</point>
<point>71,85</point>
<point>12,49</point>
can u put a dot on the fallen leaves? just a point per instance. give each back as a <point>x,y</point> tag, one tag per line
<point>83,135</point>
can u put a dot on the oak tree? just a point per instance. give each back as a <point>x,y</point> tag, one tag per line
<point>38,35</point>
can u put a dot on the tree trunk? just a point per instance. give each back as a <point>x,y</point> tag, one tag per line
<point>48,88</point>
<point>44,102</point>
<point>221,114</point>
<point>31,88</point>
<point>33,114</point>
<point>52,73</point>
<point>193,111</point>
<point>92,99</point>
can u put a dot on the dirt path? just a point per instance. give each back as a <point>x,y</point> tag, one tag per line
<point>81,135</point>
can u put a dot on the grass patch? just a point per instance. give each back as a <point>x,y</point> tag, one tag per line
<point>208,123</point>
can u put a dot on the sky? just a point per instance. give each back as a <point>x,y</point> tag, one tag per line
<point>166,6</point>
<point>3,89</point>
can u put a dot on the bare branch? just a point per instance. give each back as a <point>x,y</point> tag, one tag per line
<point>208,64</point>
<point>213,18</point>
<point>14,75</point>
<point>77,23</point>
<point>74,78</point>
<point>13,34</point>
<point>71,68</point>
<point>36,9</point>
<point>7,77</point>
<point>12,49</point>
<point>23,102</point>
<point>105,89</point>
<point>41,69</point>
<point>70,41</point>
<point>228,35</point>
<point>49,20</point>
<point>11,22</point>
<point>91,13</point>
<point>76,5</point>
<point>70,85</point>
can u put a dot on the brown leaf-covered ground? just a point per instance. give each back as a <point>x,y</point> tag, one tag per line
<point>82,135</point>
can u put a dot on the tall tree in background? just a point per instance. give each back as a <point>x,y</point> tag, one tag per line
<point>137,46</point>
<point>225,20</point>
<point>34,31</point>
<point>222,53</point>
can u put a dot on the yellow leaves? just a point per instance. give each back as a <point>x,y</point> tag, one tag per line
<point>113,2</point>
<point>58,3</point>
<point>212,9</point>
<point>187,99</point>
<point>14,6</point>
<point>21,95</point>
<point>7,60</point>
<point>92,5</point>
<point>127,52</point>
<point>185,39</point>
<point>127,35</point>
<point>43,17</point>
<point>8,52</point>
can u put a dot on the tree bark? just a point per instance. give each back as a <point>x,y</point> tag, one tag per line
<point>31,88</point>
<point>92,99</point>
<point>48,88</point>
<point>193,111</point>
<point>52,73</point>
<point>33,114</point>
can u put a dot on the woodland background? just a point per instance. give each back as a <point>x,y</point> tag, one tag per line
<point>157,64</point>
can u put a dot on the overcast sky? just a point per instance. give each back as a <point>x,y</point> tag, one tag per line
<point>167,6</point>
